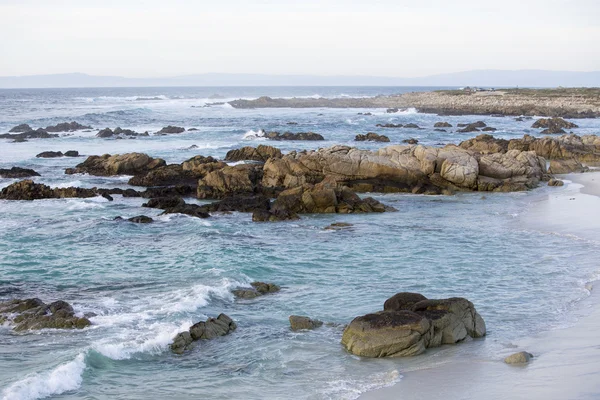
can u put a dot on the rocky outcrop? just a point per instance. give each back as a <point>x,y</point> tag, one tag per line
<point>168,175</point>
<point>371,137</point>
<point>298,323</point>
<point>410,324</point>
<point>167,130</point>
<point>521,357</point>
<point>442,125</point>
<point>257,289</point>
<point>20,128</point>
<point>389,125</point>
<point>553,125</point>
<point>28,190</point>
<point>566,167</point>
<point>67,127</point>
<point>34,314</point>
<point>293,136</point>
<point>205,330</point>
<point>231,180</point>
<point>416,169</point>
<point>260,153</point>
<point>54,154</point>
<point>485,144</point>
<point>33,134</point>
<point>119,164</point>
<point>17,172</point>
<point>119,133</point>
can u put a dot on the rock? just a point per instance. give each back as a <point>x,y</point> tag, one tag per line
<point>553,124</point>
<point>468,128</point>
<point>387,334</point>
<point>20,128</point>
<point>440,130</point>
<point>205,330</point>
<point>107,196</point>
<point>67,127</point>
<point>169,175</point>
<point>36,134</point>
<point>299,323</point>
<point>240,203</point>
<point>293,136</point>
<point>20,140</point>
<point>231,180</point>
<point>164,202</point>
<point>566,167</point>
<point>555,182</point>
<point>389,125</point>
<point>200,165</point>
<point>164,191</point>
<point>553,131</point>
<point>170,129</point>
<point>585,149</point>
<point>336,226</point>
<point>261,153</point>
<point>16,172</point>
<point>273,216</point>
<point>410,141</point>
<point>71,153</point>
<point>413,126</point>
<point>402,301</point>
<point>119,164</point>
<point>521,357</point>
<point>478,124</point>
<point>193,210</point>
<point>392,110</point>
<point>28,190</point>
<point>372,137</point>
<point>485,144</point>
<point>519,119</point>
<point>33,314</point>
<point>257,289</point>
<point>193,129</point>
<point>367,113</point>
<point>141,219</point>
<point>118,132</point>
<point>442,125</point>
<point>489,129</point>
<point>50,154</point>
<point>410,323</point>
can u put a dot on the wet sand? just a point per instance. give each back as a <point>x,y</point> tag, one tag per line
<point>566,363</point>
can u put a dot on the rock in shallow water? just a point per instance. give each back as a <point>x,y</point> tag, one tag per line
<point>34,314</point>
<point>298,322</point>
<point>522,357</point>
<point>205,330</point>
<point>257,289</point>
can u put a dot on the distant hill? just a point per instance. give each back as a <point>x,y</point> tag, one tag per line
<point>484,78</point>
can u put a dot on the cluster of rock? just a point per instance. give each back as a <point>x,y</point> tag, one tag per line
<point>140,219</point>
<point>35,314</point>
<point>371,137</point>
<point>168,130</point>
<point>54,154</point>
<point>293,136</point>
<point>22,132</point>
<point>126,164</point>
<point>67,127</point>
<point>554,125</point>
<point>17,172</point>
<point>260,153</point>
<point>204,330</point>
<point>475,127</point>
<point>28,190</point>
<point>118,133</point>
<point>410,323</point>
<point>389,125</point>
<point>256,289</point>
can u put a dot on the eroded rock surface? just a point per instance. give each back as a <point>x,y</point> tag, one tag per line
<point>34,314</point>
<point>204,330</point>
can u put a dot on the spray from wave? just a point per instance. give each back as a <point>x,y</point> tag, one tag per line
<point>254,135</point>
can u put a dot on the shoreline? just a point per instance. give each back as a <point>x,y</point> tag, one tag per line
<point>566,359</point>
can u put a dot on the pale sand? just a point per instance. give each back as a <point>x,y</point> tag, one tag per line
<point>567,361</point>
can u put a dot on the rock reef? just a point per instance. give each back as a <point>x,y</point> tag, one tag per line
<point>34,314</point>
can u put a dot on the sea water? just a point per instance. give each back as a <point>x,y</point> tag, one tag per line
<point>146,283</point>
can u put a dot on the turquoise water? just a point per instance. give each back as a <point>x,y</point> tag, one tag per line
<point>148,282</point>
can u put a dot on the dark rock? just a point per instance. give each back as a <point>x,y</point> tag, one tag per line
<point>50,154</point>
<point>442,125</point>
<point>371,137</point>
<point>240,203</point>
<point>107,196</point>
<point>170,130</point>
<point>164,202</point>
<point>298,322</point>
<point>412,126</point>
<point>553,131</point>
<point>403,301</point>
<point>16,172</point>
<point>20,128</point>
<point>410,141</point>
<point>141,219</point>
<point>120,164</point>
<point>392,110</point>
<point>172,174</point>
<point>257,289</point>
<point>192,129</point>
<point>67,127</point>
<point>273,216</point>
<point>555,182</point>
<point>71,153</point>
<point>389,125</point>
<point>489,129</point>
<point>37,134</point>
<point>440,130</point>
<point>336,226</point>
<point>553,124</point>
<point>168,191</point>
<point>193,210</point>
<point>28,190</point>
<point>107,132</point>
<point>478,124</point>
<point>293,136</point>
<point>291,123</point>
<point>205,330</point>
<point>33,314</point>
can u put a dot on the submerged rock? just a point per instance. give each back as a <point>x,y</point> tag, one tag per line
<point>205,330</point>
<point>17,172</point>
<point>410,141</point>
<point>371,137</point>
<point>141,219</point>
<point>410,323</point>
<point>336,226</point>
<point>389,125</point>
<point>257,289</point>
<point>298,322</point>
<point>34,314</point>
<point>521,357</point>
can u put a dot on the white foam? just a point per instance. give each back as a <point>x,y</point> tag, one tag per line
<point>64,378</point>
<point>253,135</point>
<point>350,389</point>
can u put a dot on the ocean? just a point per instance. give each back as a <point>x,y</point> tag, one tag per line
<point>146,283</point>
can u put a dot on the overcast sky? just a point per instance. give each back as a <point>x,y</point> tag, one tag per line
<point>380,38</point>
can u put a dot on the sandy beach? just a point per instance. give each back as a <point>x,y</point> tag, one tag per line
<point>566,360</point>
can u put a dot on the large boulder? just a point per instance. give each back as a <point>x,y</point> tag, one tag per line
<point>566,167</point>
<point>119,164</point>
<point>298,323</point>
<point>260,153</point>
<point>231,180</point>
<point>410,323</point>
<point>170,130</point>
<point>34,314</point>
<point>204,330</point>
<point>17,172</point>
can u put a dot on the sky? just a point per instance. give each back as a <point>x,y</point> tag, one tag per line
<point>393,38</point>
